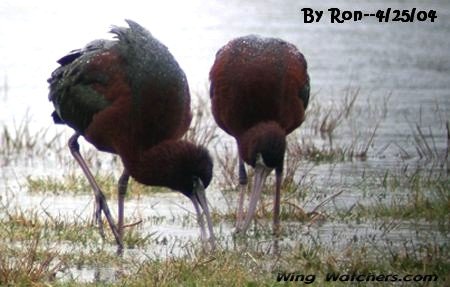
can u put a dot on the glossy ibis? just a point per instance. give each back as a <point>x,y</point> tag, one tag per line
<point>259,92</point>
<point>128,96</point>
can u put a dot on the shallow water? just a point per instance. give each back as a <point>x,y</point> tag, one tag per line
<point>402,66</point>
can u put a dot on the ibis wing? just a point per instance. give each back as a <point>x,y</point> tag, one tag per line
<point>72,88</point>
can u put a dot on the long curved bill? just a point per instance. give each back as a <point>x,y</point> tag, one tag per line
<point>200,203</point>
<point>261,173</point>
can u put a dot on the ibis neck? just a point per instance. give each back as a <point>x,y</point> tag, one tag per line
<point>172,163</point>
<point>154,166</point>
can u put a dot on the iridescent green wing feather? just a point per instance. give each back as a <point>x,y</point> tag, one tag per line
<point>71,87</point>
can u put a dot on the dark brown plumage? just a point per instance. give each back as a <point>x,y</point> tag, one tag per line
<point>259,92</point>
<point>130,97</point>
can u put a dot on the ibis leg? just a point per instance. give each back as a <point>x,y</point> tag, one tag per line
<point>277,202</point>
<point>99,196</point>
<point>122,191</point>
<point>243,188</point>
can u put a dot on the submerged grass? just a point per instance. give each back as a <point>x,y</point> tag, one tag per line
<point>38,248</point>
<point>76,183</point>
<point>29,265</point>
<point>249,263</point>
<point>27,259</point>
<point>203,270</point>
<point>57,245</point>
<point>416,198</point>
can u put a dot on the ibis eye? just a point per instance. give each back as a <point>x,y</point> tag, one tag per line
<point>195,181</point>
<point>260,160</point>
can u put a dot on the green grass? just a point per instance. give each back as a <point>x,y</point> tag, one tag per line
<point>29,262</point>
<point>28,267</point>
<point>415,197</point>
<point>250,263</point>
<point>76,183</point>
<point>56,244</point>
<point>318,236</point>
<point>247,265</point>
